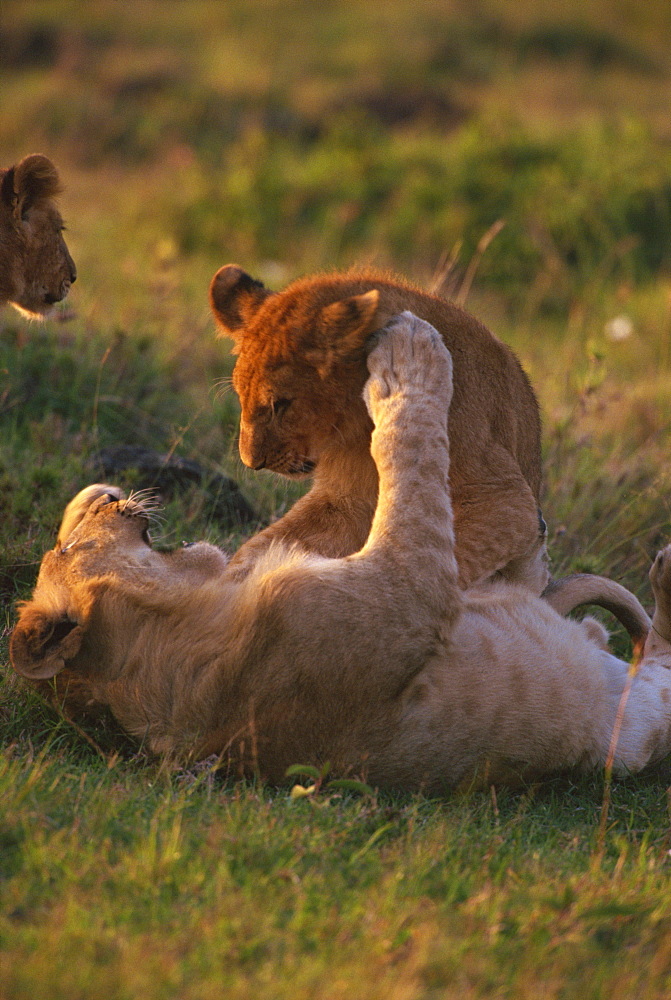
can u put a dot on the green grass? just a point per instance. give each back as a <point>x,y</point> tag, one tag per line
<point>292,136</point>
<point>125,880</point>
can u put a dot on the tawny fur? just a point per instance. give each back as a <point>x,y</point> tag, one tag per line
<point>300,371</point>
<point>36,269</point>
<point>378,662</point>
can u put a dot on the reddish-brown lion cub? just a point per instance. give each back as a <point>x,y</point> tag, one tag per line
<point>300,373</point>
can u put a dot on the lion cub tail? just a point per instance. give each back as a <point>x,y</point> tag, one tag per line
<point>570,592</point>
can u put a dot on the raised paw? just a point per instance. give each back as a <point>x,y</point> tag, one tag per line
<point>409,355</point>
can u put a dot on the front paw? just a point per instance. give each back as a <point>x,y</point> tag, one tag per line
<point>409,355</point>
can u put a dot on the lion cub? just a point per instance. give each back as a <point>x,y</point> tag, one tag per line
<point>299,375</point>
<point>36,269</point>
<point>377,662</point>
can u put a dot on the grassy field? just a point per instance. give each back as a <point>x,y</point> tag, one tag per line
<point>517,156</point>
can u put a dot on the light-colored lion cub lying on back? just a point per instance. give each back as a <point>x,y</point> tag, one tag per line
<point>376,662</point>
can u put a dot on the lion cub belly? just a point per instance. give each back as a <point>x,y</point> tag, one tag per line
<point>520,691</point>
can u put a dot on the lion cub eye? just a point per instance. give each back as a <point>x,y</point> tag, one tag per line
<point>280,406</point>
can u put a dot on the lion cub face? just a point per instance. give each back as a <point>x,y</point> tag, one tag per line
<point>97,526</point>
<point>100,533</point>
<point>300,370</point>
<point>94,586</point>
<point>36,269</point>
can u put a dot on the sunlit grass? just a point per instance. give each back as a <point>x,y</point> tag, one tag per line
<point>175,886</point>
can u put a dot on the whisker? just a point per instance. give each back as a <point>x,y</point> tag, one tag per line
<point>147,495</point>
<point>337,429</point>
<point>223,386</point>
<point>145,502</point>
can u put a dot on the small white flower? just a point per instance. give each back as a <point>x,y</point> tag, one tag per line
<point>619,328</point>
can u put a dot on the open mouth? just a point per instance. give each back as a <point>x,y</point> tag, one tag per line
<point>134,511</point>
<point>142,504</point>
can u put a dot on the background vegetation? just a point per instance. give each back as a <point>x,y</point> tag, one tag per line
<point>515,155</point>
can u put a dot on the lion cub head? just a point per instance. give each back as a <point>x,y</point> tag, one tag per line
<point>36,269</point>
<point>301,365</point>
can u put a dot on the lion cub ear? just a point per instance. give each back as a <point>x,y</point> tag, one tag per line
<point>234,298</point>
<point>34,179</point>
<point>343,329</point>
<point>42,643</point>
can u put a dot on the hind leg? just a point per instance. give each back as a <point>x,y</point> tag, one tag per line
<point>500,533</point>
<point>646,717</point>
<point>658,643</point>
<point>531,570</point>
